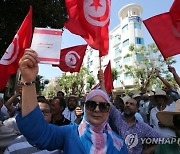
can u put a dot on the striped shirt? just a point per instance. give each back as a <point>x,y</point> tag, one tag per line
<point>21,146</point>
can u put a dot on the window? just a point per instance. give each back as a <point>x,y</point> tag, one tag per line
<point>88,66</point>
<point>117,52</point>
<point>91,52</point>
<point>118,81</point>
<point>127,76</point>
<point>126,43</point>
<point>126,59</point>
<point>125,28</point>
<point>117,66</point>
<point>138,57</point>
<point>91,62</point>
<point>139,40</point>
<point>137,25</point>
<point>116,39</point>
<point>88,58</point>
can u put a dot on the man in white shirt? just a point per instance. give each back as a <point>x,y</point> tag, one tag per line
<point>161,100</point>
<point>69,112</point>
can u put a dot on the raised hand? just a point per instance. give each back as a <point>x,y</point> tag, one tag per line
<point>78,112</point>
<point>100,76</point>
<point>171,69</point>
<point>28,65</point>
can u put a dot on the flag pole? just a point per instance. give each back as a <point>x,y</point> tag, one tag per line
<point>100,63</point>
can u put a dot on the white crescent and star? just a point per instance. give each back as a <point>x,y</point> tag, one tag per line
<point>8,57</point>
<point>71,59</point>
<point>96,9</point>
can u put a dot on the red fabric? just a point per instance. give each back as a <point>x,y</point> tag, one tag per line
<point>165,30</point>
<point>22,40</point>
<point>164,33</point>
<point>97,86</point>
<point>90,19</point>
<point>175,14</point>
<point>71,58</point>
<point>108,78</point>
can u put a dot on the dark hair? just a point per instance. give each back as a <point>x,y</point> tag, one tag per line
<point>176,121</point>
<point>72,97</point>
<point>41,98</point>
<point>60,92</point>
<point>62,101</point>
<point>162,96</point>
<point>137,104</point>
<point>44,101</point>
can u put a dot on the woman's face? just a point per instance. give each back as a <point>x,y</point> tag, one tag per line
<point>96,117</point>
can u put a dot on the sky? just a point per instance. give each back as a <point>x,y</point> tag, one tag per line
<point>150,8</point>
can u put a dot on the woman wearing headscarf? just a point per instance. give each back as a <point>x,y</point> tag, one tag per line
<point>93,135</point>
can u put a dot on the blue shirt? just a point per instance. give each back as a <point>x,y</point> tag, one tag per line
<point>51,137</point>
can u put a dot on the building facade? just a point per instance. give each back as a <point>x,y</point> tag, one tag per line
<point>129,31</point>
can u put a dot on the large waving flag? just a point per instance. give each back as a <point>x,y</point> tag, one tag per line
<point>71,58</point>
<point>90,19</point>
<point>165,30</point>
<point>21,41</point>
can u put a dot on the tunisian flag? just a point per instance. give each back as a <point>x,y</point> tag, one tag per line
<point>165,30</point>
<point>71,58</point>
<point>107,79</point>
<point>22,40</point>
<point>90,19</point>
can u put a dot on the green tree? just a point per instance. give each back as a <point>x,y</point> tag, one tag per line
<point>74,83</point>
<point>40,84</point>
<point>114,74</point>
<point>50,13</point>
<point>148,59</point>
<point>90,81</point>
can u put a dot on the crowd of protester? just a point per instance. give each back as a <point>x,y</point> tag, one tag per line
<point>97,125</point>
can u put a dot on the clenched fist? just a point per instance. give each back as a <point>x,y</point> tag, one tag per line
<point>28,65</point>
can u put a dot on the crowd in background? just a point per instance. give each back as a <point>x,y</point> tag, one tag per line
<point>132,116</point>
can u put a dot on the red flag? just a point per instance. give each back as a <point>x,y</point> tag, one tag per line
<point>164,33</point>
<point>175,14</point>
<point>71,58</point>
<point>21,41</point>
<point>165,30</point>
<point>97,86</point>
<point>90,19</point>
<point>108,78</point>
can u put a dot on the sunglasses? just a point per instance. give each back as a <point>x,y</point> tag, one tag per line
<point>46,112</point>
<point>103,106</point>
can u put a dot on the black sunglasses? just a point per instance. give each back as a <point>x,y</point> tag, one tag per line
<point>103,106</point>
<point>46,112</point>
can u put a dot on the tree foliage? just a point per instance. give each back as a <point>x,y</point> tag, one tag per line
<point>40,84</point>
<point>114,74</point>
<point>50,13</point>
<point>74,84</point>
<point>90,81</point>
<point>148,59</point>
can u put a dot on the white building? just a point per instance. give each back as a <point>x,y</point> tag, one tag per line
<point>129,31</point>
